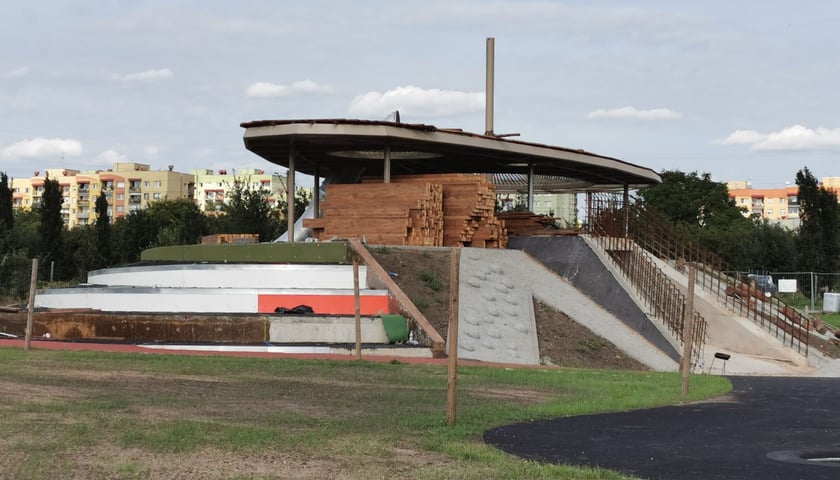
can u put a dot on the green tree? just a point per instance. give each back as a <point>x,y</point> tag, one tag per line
<point>52,227</point>
<point>692,200</point>
<point>7,214</point>
<point>177,222</point>
<point>132,234</point>
<point>249,211</point>
<point>819,239</point>
<point>103,231</point>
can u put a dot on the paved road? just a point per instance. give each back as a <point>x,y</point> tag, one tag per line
<point>727,439</point>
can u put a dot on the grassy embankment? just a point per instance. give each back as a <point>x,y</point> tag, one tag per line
<point>103,415</point>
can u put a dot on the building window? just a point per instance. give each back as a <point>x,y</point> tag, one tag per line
<point>146,183</point>
<point>119,208</point>
<point>156,196</point>
<point>145,196</point>
<point>769,212</point>
<point>120,196</point>
<point>120,184</point>
<point>782,212</point>
<point>157,184</point>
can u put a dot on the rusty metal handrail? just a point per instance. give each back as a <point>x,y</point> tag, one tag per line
<point>664,299</point>
<point>653,233</point>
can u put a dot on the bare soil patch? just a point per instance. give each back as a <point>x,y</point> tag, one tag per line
<point>562,341</point>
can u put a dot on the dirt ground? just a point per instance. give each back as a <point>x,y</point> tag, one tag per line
<point>562,341</point>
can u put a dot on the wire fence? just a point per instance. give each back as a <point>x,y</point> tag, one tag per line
<point>800,289</point>
<point>15,277</point>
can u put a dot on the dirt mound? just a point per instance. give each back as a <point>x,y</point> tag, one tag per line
<point>423,274</point>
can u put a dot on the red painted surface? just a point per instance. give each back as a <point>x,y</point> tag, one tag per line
<point>326,304</point>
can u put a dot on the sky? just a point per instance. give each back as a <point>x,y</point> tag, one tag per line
<point>745,90</point>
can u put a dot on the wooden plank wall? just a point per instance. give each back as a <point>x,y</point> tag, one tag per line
<point>463,215</point>
<point>382,214</point>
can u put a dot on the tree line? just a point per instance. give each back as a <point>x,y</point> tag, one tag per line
<point>703,210</point>
<point>70,253</point>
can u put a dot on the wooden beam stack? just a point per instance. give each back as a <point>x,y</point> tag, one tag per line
<point>469,205</point>
<point>383,214</point>
<point>529,223</point>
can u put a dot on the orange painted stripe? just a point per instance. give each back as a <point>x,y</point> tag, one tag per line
<point>326,304</point>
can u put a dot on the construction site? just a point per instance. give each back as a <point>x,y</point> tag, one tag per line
<point>624,276</point>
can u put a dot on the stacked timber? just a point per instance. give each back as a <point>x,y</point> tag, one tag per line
<point>529,223</point>
<point>382,214</point>
<point>469,207</point>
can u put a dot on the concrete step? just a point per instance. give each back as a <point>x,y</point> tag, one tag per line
<point>213,300</point>
<point>230,276</point>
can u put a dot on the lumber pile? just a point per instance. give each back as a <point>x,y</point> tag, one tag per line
<point>528,223</point>
<point>469,203</point>
<point>382,214</point>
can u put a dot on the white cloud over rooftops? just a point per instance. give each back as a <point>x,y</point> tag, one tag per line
<point>795,137</point>
<point>634,113</point>
<point>147,76</point>
<point>43,148</point>
<point>417,102</point>
<point>111,156</point>
<point>274,90</point>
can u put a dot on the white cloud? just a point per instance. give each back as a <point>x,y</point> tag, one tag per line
<point>39,148</point>
<point>147,76</point>
<point>796,137</point>
<point>635,113</point>
<point>417,102</point>
<point>273,90</point>
<point>18,72</point>
<point>151,150</point>
<point>111,156</point>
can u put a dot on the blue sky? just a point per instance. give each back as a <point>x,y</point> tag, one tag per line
<point>743,90</point>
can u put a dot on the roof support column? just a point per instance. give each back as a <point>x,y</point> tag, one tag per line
<point>626,202</point>
<point>530,187</point>
<point>316,193</point>
<point>290,195</point>
<point>387,167</point>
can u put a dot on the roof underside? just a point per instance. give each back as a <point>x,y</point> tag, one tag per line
<point>342,149</point>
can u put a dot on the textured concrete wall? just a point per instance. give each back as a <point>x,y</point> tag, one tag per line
<point>572,259</point>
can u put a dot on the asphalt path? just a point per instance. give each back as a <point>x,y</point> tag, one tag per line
<point>763,430</point>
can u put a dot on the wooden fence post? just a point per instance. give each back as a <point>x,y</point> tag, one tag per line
<point>357,306</point>
<point>33,282</point>
<point>688,325</point>
<point>452,397</point>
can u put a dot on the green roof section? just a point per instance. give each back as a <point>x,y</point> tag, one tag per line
<point>325,252</point>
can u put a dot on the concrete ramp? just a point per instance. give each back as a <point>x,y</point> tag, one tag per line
<point>573,259</point>
<point>497,324</point>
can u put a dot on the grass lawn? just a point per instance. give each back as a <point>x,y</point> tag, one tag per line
<point>124,416</point>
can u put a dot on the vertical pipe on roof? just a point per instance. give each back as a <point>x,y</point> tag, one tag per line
<point>290,195</point>
<point>387,166</point>
<point>488,93</point>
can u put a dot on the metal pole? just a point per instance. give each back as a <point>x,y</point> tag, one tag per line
<point>357,308</point>
<point>387,166</point>
<point>290,195</point>
<point>488,93</point>
<point>52,270</point>
<point>452,384</point>
<point>530,187</point>
<point>813,292</point>
<point>316,193</point>
<point>626,201</point>
<point>688,325</point>
<point>32,284</point>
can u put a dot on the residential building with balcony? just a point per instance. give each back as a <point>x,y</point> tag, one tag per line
<point>212,188</point>
<point>776,205</point>
<point>127,187</point>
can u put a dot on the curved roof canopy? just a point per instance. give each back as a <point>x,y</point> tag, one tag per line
<point>336,146</point>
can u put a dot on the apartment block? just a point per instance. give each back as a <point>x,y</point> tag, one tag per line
<point>777,205</point>
<point>127,187</point>
<point>212,188</point>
